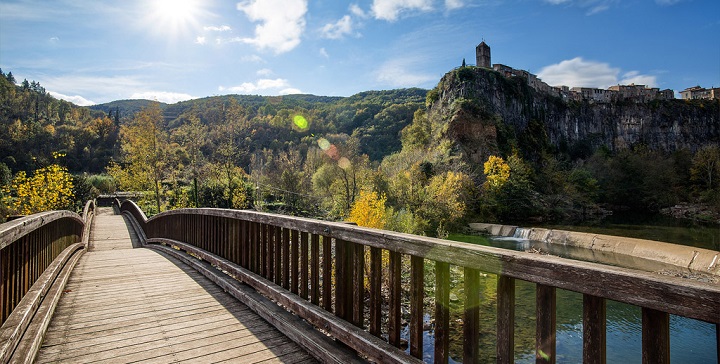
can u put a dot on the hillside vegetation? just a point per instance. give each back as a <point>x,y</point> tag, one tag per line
<point>407,160</point>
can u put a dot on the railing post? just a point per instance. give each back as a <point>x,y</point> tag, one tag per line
<point>594,332</point>
<point>545,321</point>
<point>358,286</point>
<point>327,274</point>
<point>315,269</point>
<point>294,256</point>
<point>417,290</point>
<point>442,312</point>
<point>471,318</point>
<point>505,319</point>
<point>375,291</point>
<point>304,267</point>
<point>655,337</point>
<point>394,304</point>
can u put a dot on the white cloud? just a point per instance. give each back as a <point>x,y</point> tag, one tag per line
<point>390,9</point>
<point>222,28</point>
<point>264,72</point>
<point>253,58</point>
<point>200,40</point>
<point>162,96</point>
<point>357,11</point>
<point>397,73</point>
<point>77,99</point>
<point>638,79</point>
<point>282,23</point>
<point>324,53</point>
<point>667,2</point>
<point>593,6</point>
<point>342,27</point>
<point>578,72</point>
<point>454,4</point>
<point>100,88</point>
<point>262,86</point>
<point>290,91</point>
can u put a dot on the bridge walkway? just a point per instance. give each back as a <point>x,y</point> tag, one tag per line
<point>126,304</point>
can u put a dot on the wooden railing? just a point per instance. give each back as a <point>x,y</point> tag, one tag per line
<point>315,267</point>
<point>37,253</point>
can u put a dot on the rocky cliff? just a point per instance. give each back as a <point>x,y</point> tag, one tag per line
<point>483,111</point>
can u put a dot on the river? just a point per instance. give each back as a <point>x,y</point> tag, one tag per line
<point>691,341</point>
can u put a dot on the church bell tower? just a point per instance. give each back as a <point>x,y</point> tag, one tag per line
<point>482,55</point>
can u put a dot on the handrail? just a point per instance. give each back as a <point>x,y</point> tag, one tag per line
<point>303,254</point>
<point>37,252</point>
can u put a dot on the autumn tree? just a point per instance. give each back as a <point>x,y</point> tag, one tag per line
<point>369,210</point>
<point>146,156</point>
<point>47,188</point>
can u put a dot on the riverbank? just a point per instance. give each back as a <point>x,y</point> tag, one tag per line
<point>704,261</point>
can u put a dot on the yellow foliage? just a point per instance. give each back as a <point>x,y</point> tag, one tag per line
<point>497,172</point>
<point>49,188</point>
<point>369,210</point>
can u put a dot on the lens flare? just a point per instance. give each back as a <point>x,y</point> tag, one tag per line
<point>324,144</point>
<point>300,122</point>
<point>344,163</point>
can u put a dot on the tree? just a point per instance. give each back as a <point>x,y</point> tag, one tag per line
<point>147,160</point>
<point>369,210</point>
<point>497,173</point>
<point>706,166</point>
<point>48,188</point>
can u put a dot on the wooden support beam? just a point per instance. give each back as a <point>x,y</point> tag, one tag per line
<point>417,293</point>
<point>505,319</point>
<point>471,317</point>
<point>545,303</point>
<point>655,337</point>
<point>442,312</point>
<point>594,331</point>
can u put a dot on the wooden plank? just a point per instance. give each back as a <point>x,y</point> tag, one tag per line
<point>375,291</point>
<point>442,312</point>
<point>594,332</point>
<point>304,265</point>
<point>327,274</point>
<point>471,317</point>
<point>505,319</point>
<point>358,284</point>
<point>394,314</point>
<point>655,337</point>
<point>372,347</point>
<point>417,290</point>
<point>545,312</point>
<point>315,269</point>
<point>294,258</point>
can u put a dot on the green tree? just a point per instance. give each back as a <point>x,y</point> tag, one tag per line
<point>146,156</point>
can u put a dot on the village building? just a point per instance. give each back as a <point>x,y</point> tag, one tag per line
<point>700,93</point>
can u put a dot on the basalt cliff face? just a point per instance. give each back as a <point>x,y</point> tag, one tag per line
<point>482,110</point>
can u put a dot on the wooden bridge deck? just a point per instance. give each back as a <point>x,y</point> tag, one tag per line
<point>137,305</point>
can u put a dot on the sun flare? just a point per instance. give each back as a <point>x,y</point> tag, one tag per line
<point>175,15</point>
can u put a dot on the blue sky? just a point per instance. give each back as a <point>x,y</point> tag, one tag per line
<point>94,51</point>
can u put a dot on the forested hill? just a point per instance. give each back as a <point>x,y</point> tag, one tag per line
<point>34,124</point>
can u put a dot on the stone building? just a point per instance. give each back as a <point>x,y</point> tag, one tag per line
<point>700,93</point>
<point>482,55</point>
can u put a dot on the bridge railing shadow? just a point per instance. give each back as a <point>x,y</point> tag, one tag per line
<point>364,286</point>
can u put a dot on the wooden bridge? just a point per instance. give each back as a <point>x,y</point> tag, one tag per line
<point>213,285</point>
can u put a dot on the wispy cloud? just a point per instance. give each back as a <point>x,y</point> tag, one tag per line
<point>324,53</point>
<point>264,72</point>
<point>253,58</point>
<point>282,23</point>
<point>339,29</point>
<point>578,72</point>
<point>200,40</point>
<point>591,7</point>
<point>222,28</point>
<point>162,96</point>
<point>77,99</point>
<point>390,10</point>
<point>266,86</point>
<point>454,4</point>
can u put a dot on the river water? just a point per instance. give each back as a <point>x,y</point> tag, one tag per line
<point>691,341</point>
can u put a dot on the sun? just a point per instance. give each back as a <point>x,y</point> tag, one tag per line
<point>174,16</point>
